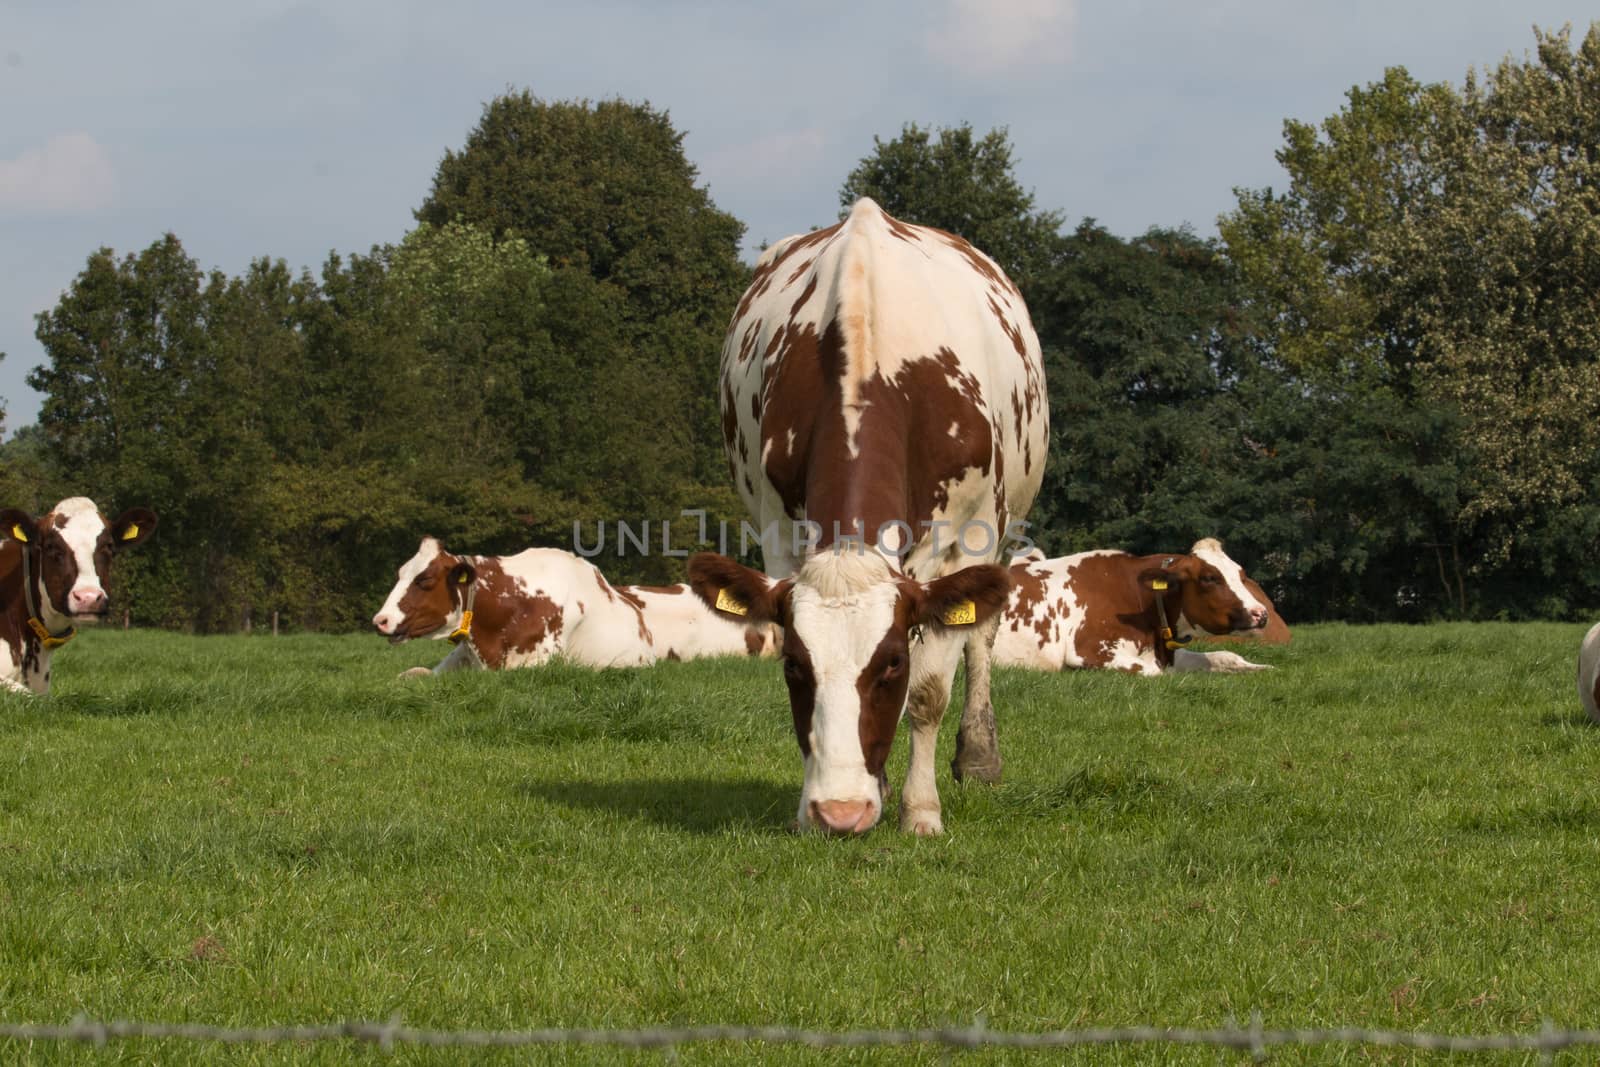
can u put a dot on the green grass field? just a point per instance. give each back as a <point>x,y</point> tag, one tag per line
<point>1398,827</point>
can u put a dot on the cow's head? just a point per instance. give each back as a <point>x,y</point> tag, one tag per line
<point>849,625</point>
<point>71,549</point>
<point>1210,590</point>
<point>428,595</point>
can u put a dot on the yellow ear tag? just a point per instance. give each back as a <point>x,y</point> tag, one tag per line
<point>463,579</point>
<point>16,531</point>
<point>964,613</point>
<point>131,532</point>
<point>1158,583</point>
<point>726,601</point>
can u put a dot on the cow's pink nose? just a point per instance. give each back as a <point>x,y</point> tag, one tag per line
<point>381,621</point>
<point>1258,616</point>
<point>87,601</point>
<point>844,816</point>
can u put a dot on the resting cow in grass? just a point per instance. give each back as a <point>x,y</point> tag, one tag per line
<point>53,572</point>
<point>882,381</point>
<point>1112,610</point>
<point>519,611</point>
<point>1589,672</point>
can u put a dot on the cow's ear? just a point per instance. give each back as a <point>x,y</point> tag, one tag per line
<point>736,592</point>
<point>965,598</point>
<point>18,525</point>
<point>1178,569</point>
<point>463,573</point>
<point>132,527</point>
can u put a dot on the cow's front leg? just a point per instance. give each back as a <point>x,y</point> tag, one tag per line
<point>919,805</point>
<point>977,743</point>
<point>1221,662</point>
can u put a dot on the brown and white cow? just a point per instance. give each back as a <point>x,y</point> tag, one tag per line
<point>53,572</point>
<point>544,602</point>
<point>883,382</point>
<point>1113,610</point>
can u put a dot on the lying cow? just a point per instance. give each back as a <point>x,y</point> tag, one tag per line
<point>1589,672</point>
<point>1123,612</point>
<point>519,611</point>
<point>52,578</point>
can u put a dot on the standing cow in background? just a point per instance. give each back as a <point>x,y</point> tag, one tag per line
<point>522,610</point>
<point>883,382</point>
<point>52,578</point>
<point>1113,610</point>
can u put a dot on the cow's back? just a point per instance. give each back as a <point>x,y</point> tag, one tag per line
<point>884,372</point>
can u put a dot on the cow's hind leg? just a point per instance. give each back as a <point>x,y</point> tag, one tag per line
<point>977,744</point>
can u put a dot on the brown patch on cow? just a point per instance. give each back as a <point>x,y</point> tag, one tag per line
<point>755,641</point>
<point>1123,609</point>
<point>1028,601</point>
<point>730,418</point>
<point>1012,330</point>
<point>672,654</point>
<point>509,621</point>
<point>801,682</point>
<point>881,686</point>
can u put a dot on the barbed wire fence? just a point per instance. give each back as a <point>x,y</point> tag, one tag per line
<point>1255,1038</point>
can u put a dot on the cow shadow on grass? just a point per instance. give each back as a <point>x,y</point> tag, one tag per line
<point>697,805</point>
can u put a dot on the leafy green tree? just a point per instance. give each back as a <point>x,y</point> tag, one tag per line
<point>605,189</point>
<point>1443,245</point>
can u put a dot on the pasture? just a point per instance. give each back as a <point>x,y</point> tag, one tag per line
<point>1399,827</point>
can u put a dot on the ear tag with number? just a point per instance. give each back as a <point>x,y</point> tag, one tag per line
<point>131,532</point>
<point>726,601</point>
<point>1158,584</point>
<point>16,531</point>
<point>962,613</point>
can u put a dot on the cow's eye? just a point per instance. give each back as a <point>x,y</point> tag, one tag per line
<point>893,668</point>
<point>423,582</point>
<point>794,671</point>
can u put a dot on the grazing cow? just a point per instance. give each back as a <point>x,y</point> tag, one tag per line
<point>52,577</point>
<point>519,611</point>
<point>881,382</point>
<point>1122,612</point>
<point>1589,672</point>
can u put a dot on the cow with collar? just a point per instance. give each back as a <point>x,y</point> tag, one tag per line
<point>520,611</point>
<point>1114,610</point>
<point>880,382</point>
<point>53,571</point>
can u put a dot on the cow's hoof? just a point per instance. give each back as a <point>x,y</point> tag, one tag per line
<point>986,771</point>
<point>417,672</point>
<point>921,823</point>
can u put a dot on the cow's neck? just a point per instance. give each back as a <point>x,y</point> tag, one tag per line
<point>29,659</point>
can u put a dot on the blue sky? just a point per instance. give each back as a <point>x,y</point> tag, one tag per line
<point>268,128</point>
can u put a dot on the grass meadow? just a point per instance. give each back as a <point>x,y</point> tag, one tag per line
<point>1398,827</point>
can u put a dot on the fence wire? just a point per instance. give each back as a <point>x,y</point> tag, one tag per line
<point>386,1035</point>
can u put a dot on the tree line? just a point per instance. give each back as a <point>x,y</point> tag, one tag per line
<point>1378,385</point>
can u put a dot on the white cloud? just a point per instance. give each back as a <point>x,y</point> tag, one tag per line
<point>983,38</point>
<point>70,175</point>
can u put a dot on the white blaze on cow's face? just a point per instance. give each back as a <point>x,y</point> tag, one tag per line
<point>421,602</point>
<point>846,664</point>
<point>1210,551</point>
